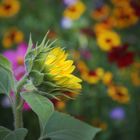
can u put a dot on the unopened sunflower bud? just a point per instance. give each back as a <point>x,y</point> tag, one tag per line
<point>49,69</point>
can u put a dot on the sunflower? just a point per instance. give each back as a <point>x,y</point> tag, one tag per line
<point>61,69</point>
<point>9,8</point>
<point>13,36</point>
<point>75,11</point>
<point>108,40</point>
<point>119,93</point>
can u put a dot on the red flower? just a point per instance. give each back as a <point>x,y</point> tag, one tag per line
<point>136,6</point>
<point>121,56</point>
<point>88,32</point>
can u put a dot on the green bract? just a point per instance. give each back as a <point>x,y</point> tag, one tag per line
<point>34,62</point>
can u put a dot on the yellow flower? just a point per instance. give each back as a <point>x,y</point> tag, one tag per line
<point>81,66</point>
<point>13,36</point>
<point>108,40</point>
<point>120,2</point>
<point>101,12</point>
<point>75,55</point>
<point>9,8</point>
<point>107,78</point>
<point>60,105</point>
<point>61,69</point>
<point>125,18</point>
<point>119,93</point>
<point>107,24</point>
<point>92,77</point>
<point>98,123</point>
<point>74,11</point>
<point>135,74</point>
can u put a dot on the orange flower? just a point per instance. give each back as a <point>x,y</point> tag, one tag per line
<point>125,18</point>
<point>98,123</point>
<point>101,12</point>
<point>81,66</point>
<point>108,40</point>
<point>106,24</point>
<point>75,11</point>
<point>120,2</point>
<point>13,36</point>
<point>135,74</point>
<point>92,77</point>
<point>119,93</point>
<point>9,8</point>
<point>60,105</point>
<point>107,78</point>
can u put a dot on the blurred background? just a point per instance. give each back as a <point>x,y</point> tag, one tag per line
<point>103,39</point>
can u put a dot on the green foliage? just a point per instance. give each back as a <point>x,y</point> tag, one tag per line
<point>40,105</point>
<point>53,125</point>
<point>36,77</point>
<point>7,82</point>
<point>64,127</point>
<point>3,132</point>
<point>18,134</point>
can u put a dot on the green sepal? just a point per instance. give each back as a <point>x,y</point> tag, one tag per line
<point>36,77</point>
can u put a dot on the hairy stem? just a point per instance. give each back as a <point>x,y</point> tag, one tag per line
<point>18,113</point>
<point>19,104</point>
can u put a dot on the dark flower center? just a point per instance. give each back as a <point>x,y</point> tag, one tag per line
<point>7,7</point>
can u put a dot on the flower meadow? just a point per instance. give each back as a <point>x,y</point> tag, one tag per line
<point>87,66</point>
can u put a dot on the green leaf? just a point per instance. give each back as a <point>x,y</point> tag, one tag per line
<point>42,106</point>
<point>64,127</point>
<point>6,81</point>
<point>5,63</point>
<point>3,132</point>
<point>18,134</point>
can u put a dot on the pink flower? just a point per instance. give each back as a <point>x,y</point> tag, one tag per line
<point>16,57</point>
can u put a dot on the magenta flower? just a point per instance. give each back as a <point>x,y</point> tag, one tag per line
<point>86,54</point>
<point>16,57</point>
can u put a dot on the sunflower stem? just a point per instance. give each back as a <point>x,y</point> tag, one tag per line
<point>19,104</point>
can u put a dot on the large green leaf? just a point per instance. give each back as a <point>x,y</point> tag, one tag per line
<point>3,132</point>
<point>64,127</point>
<point>42,106</point>
<point>18,134</point>
<point>7,82</point>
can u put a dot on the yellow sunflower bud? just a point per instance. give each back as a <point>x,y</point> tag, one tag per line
<point>50,70</point>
